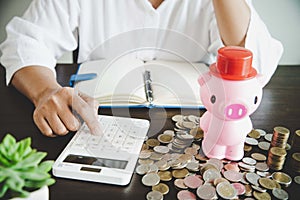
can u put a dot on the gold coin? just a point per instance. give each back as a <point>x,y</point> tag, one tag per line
<point>180,173</point>
<point>281,130</point>
<point>161,187</point>
<point>276,151</point>
<point>165,138</point>
<point>267,183</point>
<point>248,192</point>
<point>258,156</point>
<point>145,147</point>
<point>197,133</point>
<point>165,175</point>
<point>247,148</point>
<point>296,156</point>
<point>282,178</point>
<point>191,151</point>
<point>254,134</point>
<point>152,142</point>
<point>261,195</point>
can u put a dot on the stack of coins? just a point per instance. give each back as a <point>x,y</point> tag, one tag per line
<point>280,137</point>
<point>295,162</point>
<point>296,141</point>
<point>276,158</point>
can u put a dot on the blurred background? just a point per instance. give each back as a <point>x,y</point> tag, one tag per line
<point>282,18</point>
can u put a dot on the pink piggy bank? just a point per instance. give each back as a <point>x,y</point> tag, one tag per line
<point>231,91</point>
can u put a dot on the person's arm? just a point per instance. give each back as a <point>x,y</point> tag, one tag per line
<point>53,103</point>
<point>233,17</point>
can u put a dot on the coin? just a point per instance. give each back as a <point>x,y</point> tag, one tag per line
<point>180,173</point>
<point>247,148</point>
<point>169,132</point>
<point>192,181</point>
<point>142,169</point>
<point>211,174</point>
<point>145,154</point>
<point>261,195</point>
<point>240,188</point>
<point>161,149</point>
<point>258,189</point>
<point>282,178</point>
<point>152,142</point>
<point>191,151</point>
<point>226,190</point>
<point>154,195</point>
<point>192,166</point>
<point>249,161</point>
<point>268,137</point>
<point>248,190</point>
<point>206,192</point>
<point>267,183</point>
<point>258,156</point>
<point>185,194</point>
<point>264,145</point>
<point>219,180</point>
<point>297,179</point>
<point>254,134</point>
<point>261,132</point>
<point>165,138</point>
<point>233,176</point>
<point>252,178</point>
<point>262,166</point>
<point>179,183</point>
<point>280,194</point>
<point>161,187</point>
<point>177,118</point>
<point>232,166</point>
<point>165,175</point>
<point>251,141</point>
<point>150,179</point>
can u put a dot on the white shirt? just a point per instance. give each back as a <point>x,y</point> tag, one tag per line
<point>184,29</point>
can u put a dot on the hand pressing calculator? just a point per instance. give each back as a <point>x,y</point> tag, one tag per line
<point>109,158</point>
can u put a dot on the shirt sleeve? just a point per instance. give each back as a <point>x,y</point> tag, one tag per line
<point>266,50</point>
<point>40,36</point>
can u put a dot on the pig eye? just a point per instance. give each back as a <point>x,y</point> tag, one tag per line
<point>255,100</point>
<point>213,99</point>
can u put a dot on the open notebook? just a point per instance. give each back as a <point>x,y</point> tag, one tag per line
<point>121,83</point>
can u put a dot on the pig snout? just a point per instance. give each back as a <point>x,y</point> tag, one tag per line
<point>235,111</point>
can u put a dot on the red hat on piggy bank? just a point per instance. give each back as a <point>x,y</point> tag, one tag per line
<point>233,63</point>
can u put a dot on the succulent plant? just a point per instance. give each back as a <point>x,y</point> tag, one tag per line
<point>21,168</point>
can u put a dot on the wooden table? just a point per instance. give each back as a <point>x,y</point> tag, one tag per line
<point>279,107</point>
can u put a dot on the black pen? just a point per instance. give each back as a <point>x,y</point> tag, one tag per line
<point>148,87</point>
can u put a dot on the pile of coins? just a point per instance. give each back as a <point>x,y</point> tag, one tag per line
<point>276,158</point>
<point>280,137</point>
<point>175,158</point>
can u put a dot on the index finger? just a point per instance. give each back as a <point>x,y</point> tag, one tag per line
<point>88,111</point>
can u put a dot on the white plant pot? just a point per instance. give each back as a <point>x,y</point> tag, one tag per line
<point>41,194</point>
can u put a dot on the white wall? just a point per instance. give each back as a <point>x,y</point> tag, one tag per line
<point>282,17</point>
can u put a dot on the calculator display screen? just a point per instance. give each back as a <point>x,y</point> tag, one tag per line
<point>95,161</point>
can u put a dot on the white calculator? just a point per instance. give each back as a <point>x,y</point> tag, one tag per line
<point>109,158</point>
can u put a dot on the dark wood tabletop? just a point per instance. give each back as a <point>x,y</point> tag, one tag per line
<point>279,107</point>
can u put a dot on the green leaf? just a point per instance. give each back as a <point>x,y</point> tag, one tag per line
<point>4,161</point>
<point>46,166</point>
<point>3,152</point>
<point>14,182</point>
<point>9,141</point>
<point>3,190</point>
<point>24,147</point>
<point>35,175</point>
<point>39,184</point>
<point>32,160</point>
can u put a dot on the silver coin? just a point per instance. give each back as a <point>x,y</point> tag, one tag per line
<point>246,167</point>
<point>145,154</point>
<point>262,166</point>
<point>161,149</point>
<point>251,141</point>
<point>249,161</point>
<point>252,178</point>
<point>233,176</point>
<point>194,119</point>
<point>264,145</point>
<point>192,166</point>
<point>280,194</point>
<point>169,132</point>
<point>268,137</point>
<point>177,118</point>
<point>258,189</point>
<point>188,125</point>
<point>297,179</point>
<point>264,174</point>
<point>142,169</point>
<point>206,191</point>
<point>154,195</point>
<point>211,174</point>
<point>150,179</point>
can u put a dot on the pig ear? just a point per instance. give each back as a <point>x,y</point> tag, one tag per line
<point>203,78</point>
